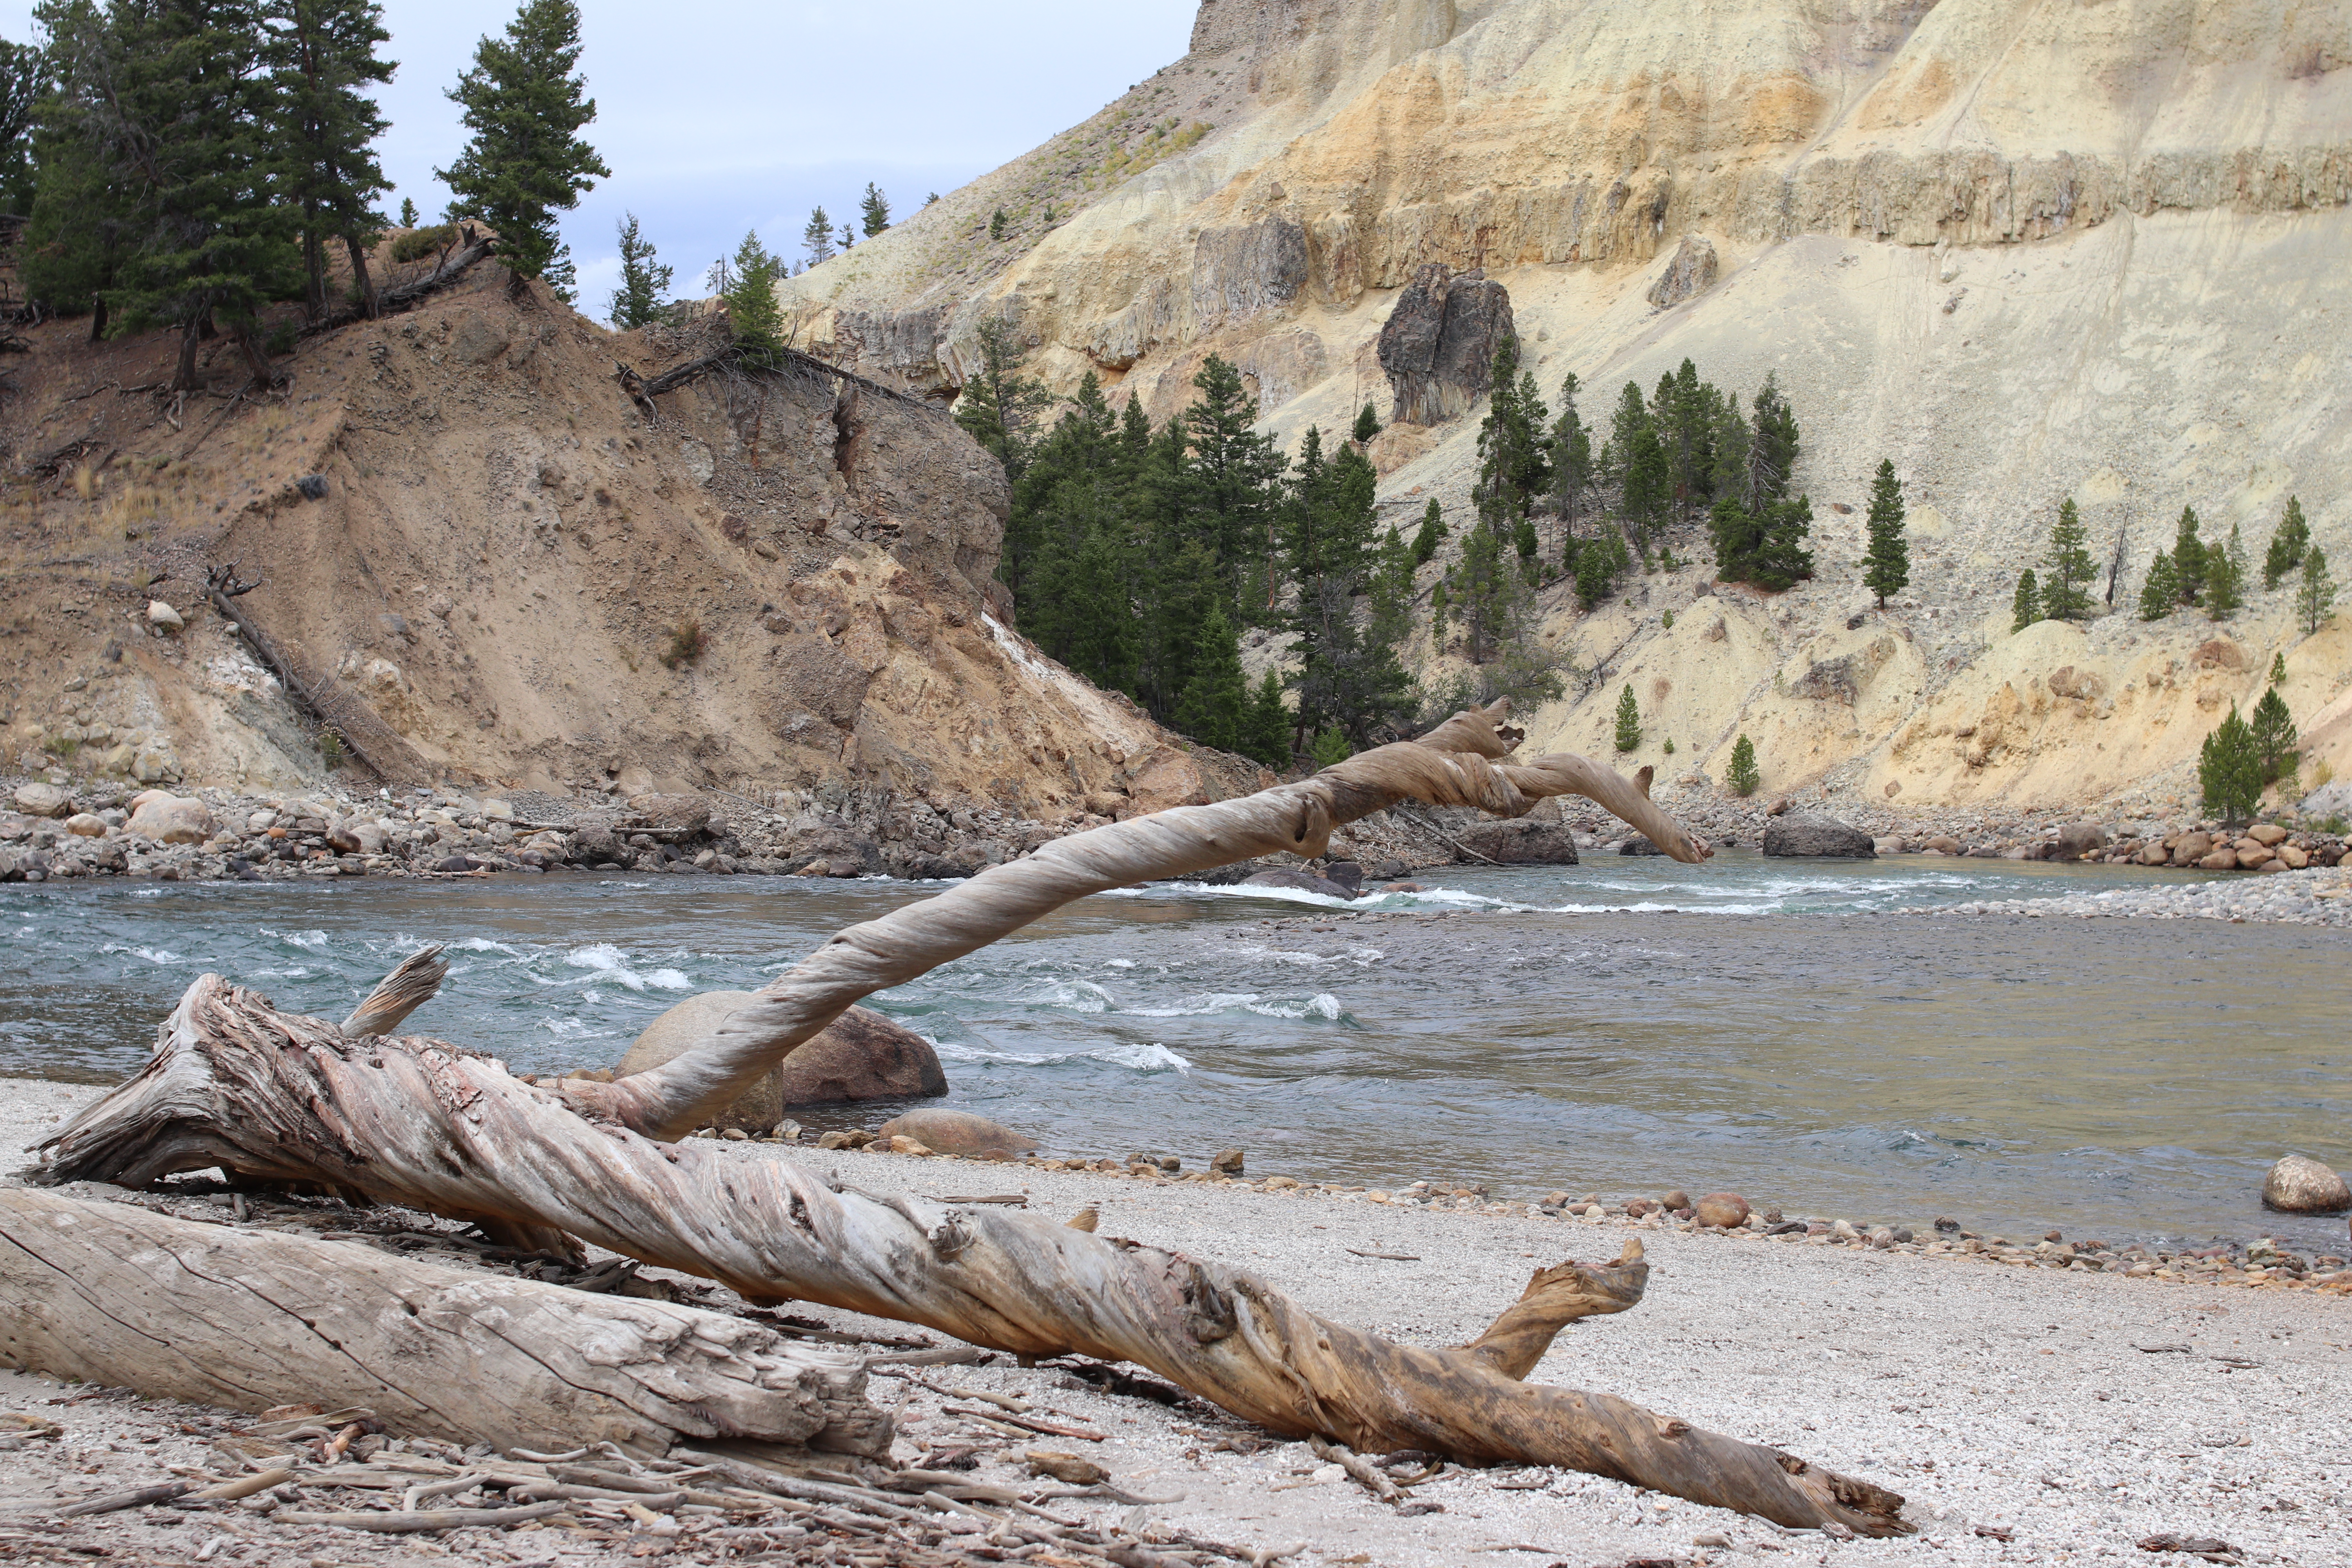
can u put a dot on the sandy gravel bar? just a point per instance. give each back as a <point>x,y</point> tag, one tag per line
<point>2028,1413</point>
<point>2317,897</point>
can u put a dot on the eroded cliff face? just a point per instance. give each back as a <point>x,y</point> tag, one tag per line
<point>780,586</point>
<point>2025,251</point>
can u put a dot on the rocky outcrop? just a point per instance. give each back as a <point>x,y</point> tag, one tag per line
<point>1437,348</point>
<point>1249,271</point>
<point>859,1056</point>
<point>1797,836</point>
<point>1688,275</point>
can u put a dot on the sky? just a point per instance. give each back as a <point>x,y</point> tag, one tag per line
<point>719,118</point>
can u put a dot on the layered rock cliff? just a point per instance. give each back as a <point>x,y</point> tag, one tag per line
<point>2026,252</point>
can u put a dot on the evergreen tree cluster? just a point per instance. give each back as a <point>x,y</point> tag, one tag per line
<point>1139,557</point>
<point>2213,577</point>
<point>191,163</point>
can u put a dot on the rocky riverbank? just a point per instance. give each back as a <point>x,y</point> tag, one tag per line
<point>2050,1407</point>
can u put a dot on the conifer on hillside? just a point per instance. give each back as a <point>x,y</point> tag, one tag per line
<point>2275,738</point>
<point>1572,469</point>
<point>321,57</point>
<point>637,303</point>
<point>998,405</point>
<point>1629,720</point>
<point>25,79</point>
<point>2225,577</point>
<point>2066,595</point>
<point>407,213</point>
<point>2161,596</point>
<point>525,161</point>
<point>874,210</point>
<point>1887,564</point>
<point>1781,559</point>
<point>2025,607</point>
<point>2189,559</point>
<point>1742,776</point>
<point>816,237</point>
<point>1431,535</point>
<point>2230,770</point>
<point>754,316</point>
<point>2288,543</point>
<point>2315,601</point>
<point>1367,425</point>
<point>1269,739</point>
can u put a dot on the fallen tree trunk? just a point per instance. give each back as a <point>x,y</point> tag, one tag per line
<point>248,1320</point>
<point>416,1121</point>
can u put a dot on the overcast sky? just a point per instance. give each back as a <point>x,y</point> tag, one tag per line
<point>718,116</point>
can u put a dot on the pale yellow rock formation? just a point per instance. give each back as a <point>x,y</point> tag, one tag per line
<point>2025,251</point>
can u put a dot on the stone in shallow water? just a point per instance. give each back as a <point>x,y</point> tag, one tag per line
<point>2298,1184</point>
<point>859,1056</point>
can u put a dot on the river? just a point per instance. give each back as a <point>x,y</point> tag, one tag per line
<point>1626,1026</point>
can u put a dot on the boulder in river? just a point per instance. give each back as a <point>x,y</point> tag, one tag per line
<point>671,812</point>
<point>956,1132</point>
<point>2299,1185</point>
<point>1302,881</point>
<point>2077,839</point>
<point>1523,842</point>
<point>859,1056</point>
<point>1795,835</point>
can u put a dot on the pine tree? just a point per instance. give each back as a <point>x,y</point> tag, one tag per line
<point>1781,558</point>
<point>754,316</point>
<point>637,303</point>
<point>1571,466</point>
<point>165,121</point>
<point>2161,593</point>
<point>2230,770</point>
<point>1741,775</point>
<point>2274,737</point>
<point>25,79</point>
<point>1772,448</point>
<point>1235,476</point>
<point>2225,577</point>
<point>1629,720</point>
<point>2315,601</point>
<point>1367,425</point>
<point>2065,597</point>
<point>2025,608</point>
<point>407,213</point>
<point>2189,558</point>
<point>1432,534</point>
<point>996,225</point>
<point>321,55</point>
<point>1886,566</point>
<point>816,237</point>
<point>525,161</point>
<point>874,210</point>
<point>1331,749</point>
<point>1512,469</point>
<point>1269,739</point>
<point>2287,545</point>
<point>848,238</point>
<point>997,405</point>
<point>2278,669</point>
<point>1738,539</point>
<point>86,217</point>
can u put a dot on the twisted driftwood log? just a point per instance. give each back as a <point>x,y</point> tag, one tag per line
<point>412,1120</point>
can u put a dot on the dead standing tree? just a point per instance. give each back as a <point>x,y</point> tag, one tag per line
<point>412,1120</point>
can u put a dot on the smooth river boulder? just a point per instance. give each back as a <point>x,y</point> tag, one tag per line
<point>956,1132</point>
<point>859,1056</point>
<point>39,799</point>
<point>1522,842</point>
<point>2298,1184</point>
<point>1302,881</point>
<point>168,818</point>
<point>1817,836</point>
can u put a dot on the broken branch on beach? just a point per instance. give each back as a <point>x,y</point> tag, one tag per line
<point>417,1122</point>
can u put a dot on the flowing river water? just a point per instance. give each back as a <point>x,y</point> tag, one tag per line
<point>1624,1026</point>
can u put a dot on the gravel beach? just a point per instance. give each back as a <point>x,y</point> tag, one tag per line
<point>2320,897</point>
<point>2028,1413</point>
